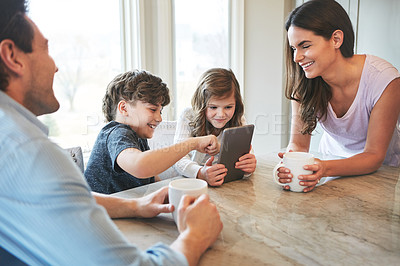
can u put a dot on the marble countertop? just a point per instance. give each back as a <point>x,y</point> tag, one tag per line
<point>346,221</point>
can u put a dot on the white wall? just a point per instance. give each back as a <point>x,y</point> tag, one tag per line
<point>379,29</point>
<point>265,104</point>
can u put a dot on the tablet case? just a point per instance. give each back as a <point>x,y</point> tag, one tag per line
<point>235,142</point>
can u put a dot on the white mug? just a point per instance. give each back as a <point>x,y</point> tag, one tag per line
<point>184,186</point>
<point>295,162</point>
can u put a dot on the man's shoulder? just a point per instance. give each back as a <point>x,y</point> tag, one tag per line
<point>16,129</point>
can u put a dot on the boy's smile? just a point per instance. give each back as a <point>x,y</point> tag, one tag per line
<point>142,117</point>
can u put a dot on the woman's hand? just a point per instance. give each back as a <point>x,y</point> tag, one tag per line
<point>247,163</point>
<point>318,168</point>
<point>213,174</point>
<point>312,180</point>
<point>284,173</point>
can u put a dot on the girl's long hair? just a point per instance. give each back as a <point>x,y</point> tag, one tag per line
<point>322,17</point>
<point>219,83</point>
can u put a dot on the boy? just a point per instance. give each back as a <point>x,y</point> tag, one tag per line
<point>121,158</point>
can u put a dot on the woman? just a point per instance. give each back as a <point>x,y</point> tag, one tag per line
<point>354,97</point>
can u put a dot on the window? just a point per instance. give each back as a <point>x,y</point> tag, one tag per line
<point>94,40</point>
<point>84,40</point>
<point>201,42</point>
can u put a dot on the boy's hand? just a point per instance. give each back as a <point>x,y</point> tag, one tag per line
<point>207,144</point>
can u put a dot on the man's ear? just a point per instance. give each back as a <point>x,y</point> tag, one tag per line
<point>10,56</point>
<point>122,108</point>
<point>337,38</point>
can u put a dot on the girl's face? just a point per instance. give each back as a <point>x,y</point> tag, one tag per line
<point>220,110</point>
<point>313,53</point>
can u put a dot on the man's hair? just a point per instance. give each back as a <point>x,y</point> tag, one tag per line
<point>15,27</point>
<point>134,86</point>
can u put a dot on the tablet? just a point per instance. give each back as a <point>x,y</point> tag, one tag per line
<point>235,142</point>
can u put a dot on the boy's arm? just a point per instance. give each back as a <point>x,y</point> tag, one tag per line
<point>185,166</point>
<point>153,162</point>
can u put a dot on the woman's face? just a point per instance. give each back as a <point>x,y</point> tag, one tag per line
<point>220,110</point>
<point>313,53</point>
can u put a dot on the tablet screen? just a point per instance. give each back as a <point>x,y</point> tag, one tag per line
<point>235,142</point>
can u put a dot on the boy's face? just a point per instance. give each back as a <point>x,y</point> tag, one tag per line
<point>143,118</point>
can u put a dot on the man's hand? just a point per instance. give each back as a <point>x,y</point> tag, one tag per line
<point>154,204</point>
<point>199,224</point>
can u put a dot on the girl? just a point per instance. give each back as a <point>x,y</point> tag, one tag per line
<point>216,105</point>
<point>354,97</point>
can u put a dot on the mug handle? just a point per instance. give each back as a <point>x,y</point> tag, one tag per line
<point>275,174</point>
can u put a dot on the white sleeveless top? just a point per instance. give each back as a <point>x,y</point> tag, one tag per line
<point>346,136</point>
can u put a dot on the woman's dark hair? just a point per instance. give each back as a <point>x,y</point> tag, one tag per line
<point>134,86</point>
<point>15,27</point>
<point>219,83</point>
<point>322,17</point>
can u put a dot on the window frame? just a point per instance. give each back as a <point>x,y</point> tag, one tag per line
<point>147,38</point>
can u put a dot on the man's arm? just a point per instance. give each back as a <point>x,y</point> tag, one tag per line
<point>200,224</point>
<point>146,207</point>
<point>199,221</point>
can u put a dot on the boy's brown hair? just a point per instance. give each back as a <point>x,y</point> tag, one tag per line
<point>134,86</point>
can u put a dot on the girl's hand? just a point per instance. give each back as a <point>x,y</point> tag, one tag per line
<point>213,174</point>
<point>247,163</point>
<point>312,180</point>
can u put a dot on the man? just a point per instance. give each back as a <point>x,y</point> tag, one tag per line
<point>48,214</point>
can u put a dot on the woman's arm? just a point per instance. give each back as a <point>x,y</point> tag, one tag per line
<point>298,141</point>
<point>381,126</point>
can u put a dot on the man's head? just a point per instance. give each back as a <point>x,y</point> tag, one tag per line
<point>26,68</point>
<point>15,27</point>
